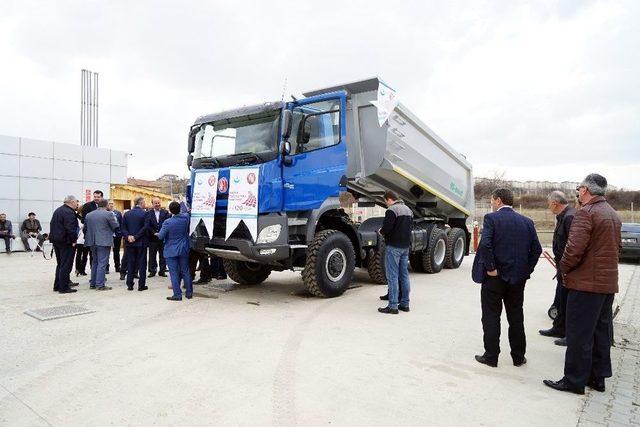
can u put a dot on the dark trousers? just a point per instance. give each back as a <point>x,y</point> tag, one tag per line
<point>116,253</point>
<point>64,264</point>
<point>7,243</point>
<point>136,261</point>
<point>494,292</point>
<point>217,268</point>
<point>589,329</point>
<point>155,250</point>
<point>82,254</point>
<point>196,258</point>
<point>560,302</point>
<point>125,259</point>
<point>179,271</point>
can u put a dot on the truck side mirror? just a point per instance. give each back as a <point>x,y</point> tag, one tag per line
<point>287,123</point>
<point>191,143</point>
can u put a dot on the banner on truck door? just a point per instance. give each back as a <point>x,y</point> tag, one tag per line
<point>243,200</point>
<point>386,103</point>
<point>203,204</point>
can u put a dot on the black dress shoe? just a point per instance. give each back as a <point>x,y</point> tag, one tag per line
<point>117,269</point>
<point>129,288</point>
<point>404,308</point>
<point>189,296</point>
<point>597,384</point>
<point>553,332</point>
<point>143,288</point>
<point>68,291</point>
<point>563,385</point>
<point>485,361</point>
<point>72,284</point>
<point>520,362</point>
<point>388,310</point>
<point>174,298</point>
<point>122,276</point>
<point>201,281</point>
<point>92,286</point>
<point>151,275</point>
<point>562,342</point>
<point>384,297</point>
<point>162,274</point>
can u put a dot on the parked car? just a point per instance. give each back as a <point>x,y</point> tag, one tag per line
<point>630,241</point>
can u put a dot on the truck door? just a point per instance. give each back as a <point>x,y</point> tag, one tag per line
<point>317,160</point>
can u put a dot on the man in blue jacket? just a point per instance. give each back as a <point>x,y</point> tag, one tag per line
<point>175,235</point>
<point>63,233</point>
<point>508,252</point>
<point>134,230</point>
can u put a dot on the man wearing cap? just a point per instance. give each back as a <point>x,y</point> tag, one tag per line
<point>31,228</point>
<point>590,269</point>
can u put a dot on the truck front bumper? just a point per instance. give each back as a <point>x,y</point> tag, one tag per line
<point>244,250</point>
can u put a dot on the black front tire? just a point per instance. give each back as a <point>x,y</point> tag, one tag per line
<point>246,273</point>
<point>330,264</point>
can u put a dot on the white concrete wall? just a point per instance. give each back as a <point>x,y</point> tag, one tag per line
<point>36,176</point>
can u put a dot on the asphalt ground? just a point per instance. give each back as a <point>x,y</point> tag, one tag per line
<point>271,355</point>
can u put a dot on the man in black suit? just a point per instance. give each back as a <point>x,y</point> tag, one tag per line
<point>559,206</point>
<point>63,234</point>
<point>92,206</point>
<point>155,217</point>
<point>509,251</point>
<point>134,230</point>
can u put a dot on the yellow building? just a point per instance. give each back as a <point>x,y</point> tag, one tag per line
<point>123,195</point>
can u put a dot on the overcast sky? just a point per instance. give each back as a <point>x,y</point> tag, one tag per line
<point>543,90</point>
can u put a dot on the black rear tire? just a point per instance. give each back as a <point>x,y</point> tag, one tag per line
<point>330,264</point>
<point>456,245</point>
<point>434,255</point>
<point>376,267</point>
<point>246,273</point>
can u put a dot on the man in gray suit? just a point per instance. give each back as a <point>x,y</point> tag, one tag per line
<point>99,226</point>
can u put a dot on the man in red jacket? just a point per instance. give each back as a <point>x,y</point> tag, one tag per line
<point>590,269</point>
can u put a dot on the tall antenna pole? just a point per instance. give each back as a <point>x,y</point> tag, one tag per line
<point>82,107</point>
<point>88,108</point>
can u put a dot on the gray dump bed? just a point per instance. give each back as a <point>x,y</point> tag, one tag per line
<point>403,155</point>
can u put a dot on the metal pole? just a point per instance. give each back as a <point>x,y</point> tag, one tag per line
<point>97,109</point>
<point>86,83</point>
<point>81,107</point>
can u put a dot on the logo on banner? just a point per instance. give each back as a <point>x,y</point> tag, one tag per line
<point>203,206</point>
<point>223,185</point>
<point>242,205</point>
<point>387,101</point>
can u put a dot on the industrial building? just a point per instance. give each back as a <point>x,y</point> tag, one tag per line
<point>36,175</point>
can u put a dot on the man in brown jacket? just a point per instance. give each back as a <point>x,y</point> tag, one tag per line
<point>590,269</point>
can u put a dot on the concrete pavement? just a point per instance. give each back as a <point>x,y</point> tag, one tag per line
<point>291,360</point>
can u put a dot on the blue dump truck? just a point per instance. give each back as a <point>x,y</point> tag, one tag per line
<point>266,182</point>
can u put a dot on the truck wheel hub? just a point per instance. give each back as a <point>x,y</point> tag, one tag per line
<point>336,265</point>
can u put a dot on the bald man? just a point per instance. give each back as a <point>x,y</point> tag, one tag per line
<point>155,217</point>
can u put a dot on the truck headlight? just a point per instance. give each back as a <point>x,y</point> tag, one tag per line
<point>269,234</point>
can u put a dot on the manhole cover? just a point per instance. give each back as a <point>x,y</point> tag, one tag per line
<point>50,313</point>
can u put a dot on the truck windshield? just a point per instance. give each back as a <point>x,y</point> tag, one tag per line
<point>258,135</point>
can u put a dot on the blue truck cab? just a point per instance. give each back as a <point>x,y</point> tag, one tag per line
<point>300,150</point>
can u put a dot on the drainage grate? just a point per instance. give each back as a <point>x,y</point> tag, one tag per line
<point>51,313</point>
